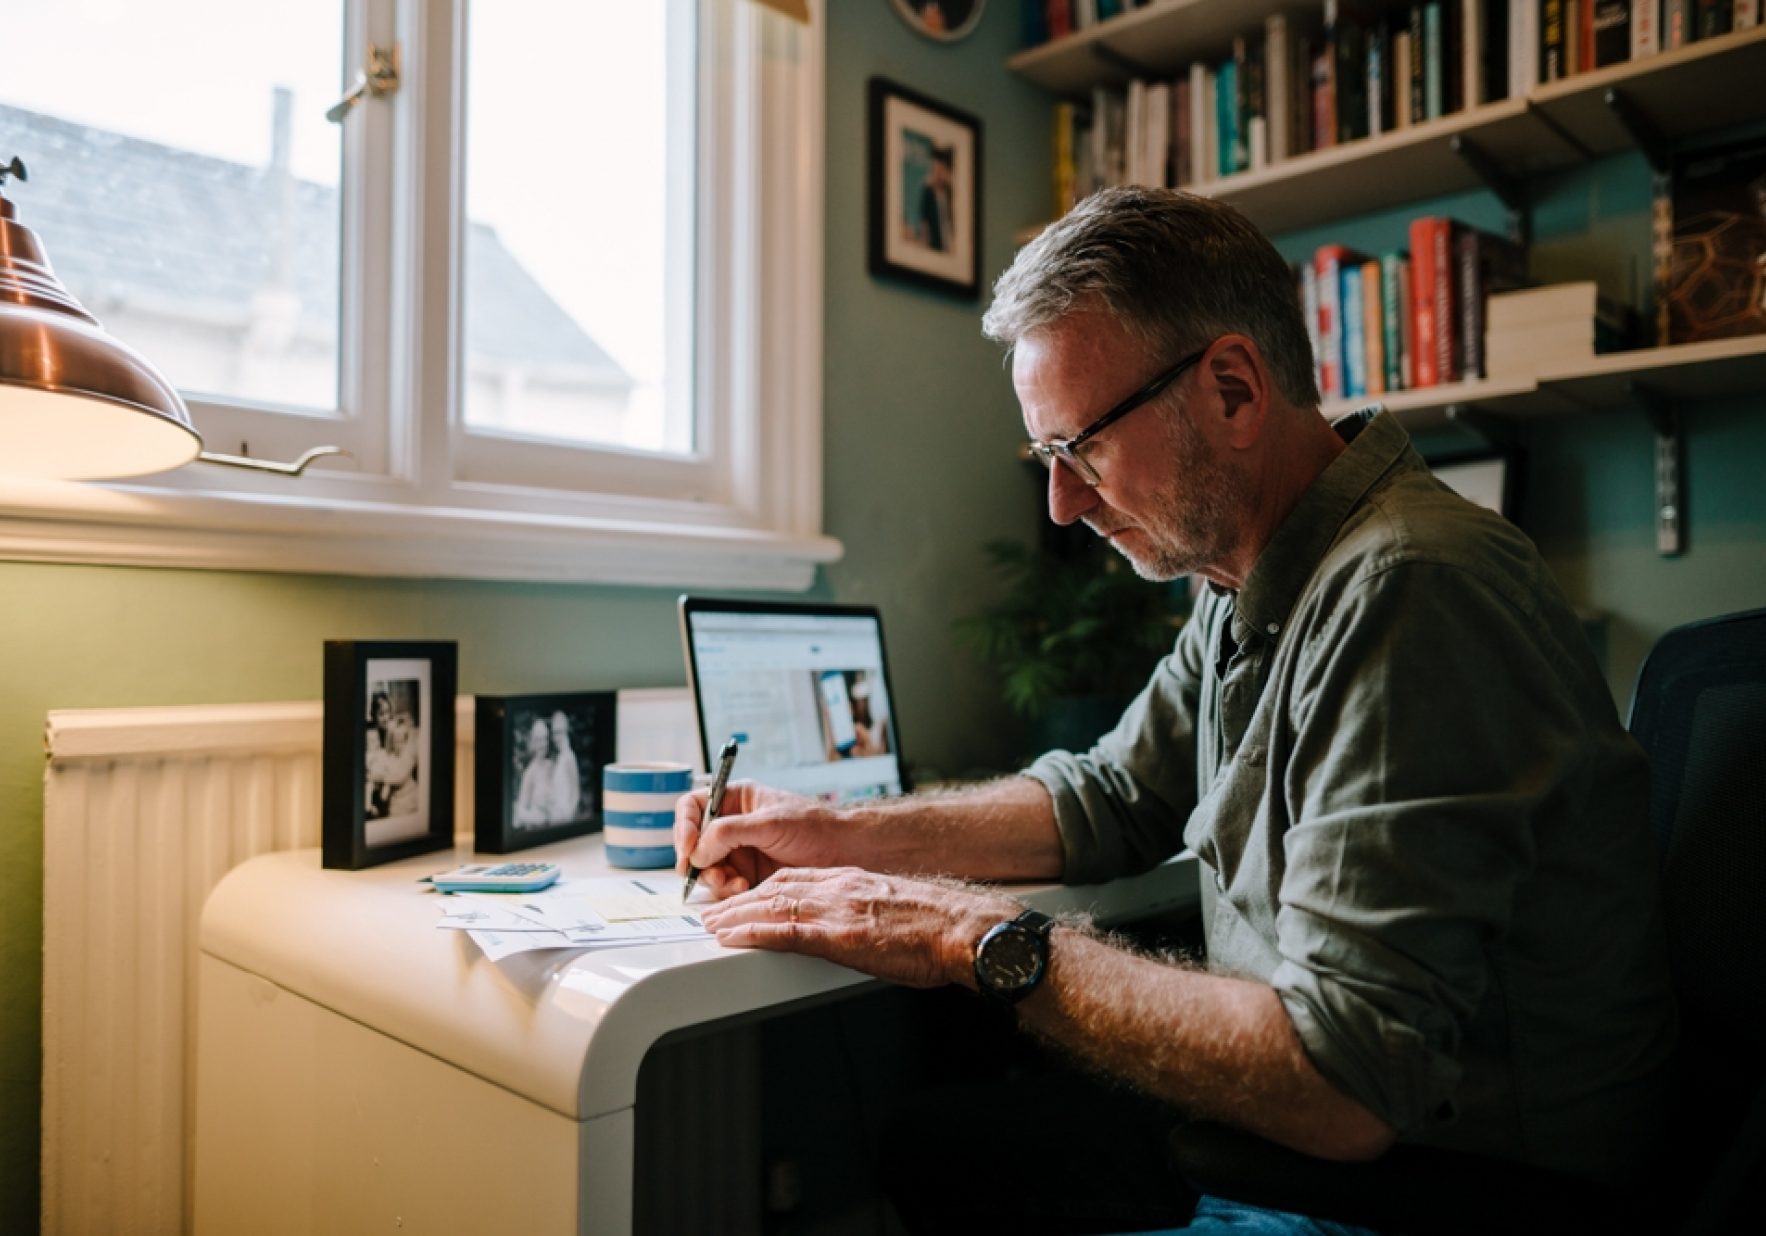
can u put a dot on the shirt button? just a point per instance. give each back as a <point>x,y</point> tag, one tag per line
<point>1273,627</point>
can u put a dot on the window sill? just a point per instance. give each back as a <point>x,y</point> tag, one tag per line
<point>55,521</point>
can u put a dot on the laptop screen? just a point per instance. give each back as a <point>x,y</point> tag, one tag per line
<point>804,689</point>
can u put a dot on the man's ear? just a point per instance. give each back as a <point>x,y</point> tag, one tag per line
<point>1235,367</point>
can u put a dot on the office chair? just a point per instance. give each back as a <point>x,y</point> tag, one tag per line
<point>1700,713</point>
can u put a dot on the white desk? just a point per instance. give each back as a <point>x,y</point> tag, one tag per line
<point>360,1070</point>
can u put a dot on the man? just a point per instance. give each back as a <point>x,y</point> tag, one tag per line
<point>1428,887</point>
<point>935,229</point>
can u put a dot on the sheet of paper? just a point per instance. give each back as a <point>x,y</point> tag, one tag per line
<point>605,912</point>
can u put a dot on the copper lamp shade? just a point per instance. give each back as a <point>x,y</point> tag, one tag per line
<point>75,403</point>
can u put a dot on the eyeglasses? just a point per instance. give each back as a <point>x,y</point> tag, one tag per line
<point>1067,450</point>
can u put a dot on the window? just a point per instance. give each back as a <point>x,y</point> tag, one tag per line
<point>525,290</point>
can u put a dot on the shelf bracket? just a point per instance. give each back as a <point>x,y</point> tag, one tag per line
<point>1508,190</point>
<point>1116,60</point>
<point>1665,417</point>
<point>1649,139</point>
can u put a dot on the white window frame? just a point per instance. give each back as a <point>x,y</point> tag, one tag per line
<point>746,512</point>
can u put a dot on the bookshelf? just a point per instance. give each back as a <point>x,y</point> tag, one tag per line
<point>1703,86</point>
<point>1645,104</point>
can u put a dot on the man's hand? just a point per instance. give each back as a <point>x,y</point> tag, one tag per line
<point>915,932</point>
<point>758,831</point>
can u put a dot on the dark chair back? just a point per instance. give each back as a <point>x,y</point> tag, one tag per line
<point>1700,713</point>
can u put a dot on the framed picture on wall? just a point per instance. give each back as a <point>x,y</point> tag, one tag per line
<point>537,771</point>
<point>388,775</point>
<point>925,191</point>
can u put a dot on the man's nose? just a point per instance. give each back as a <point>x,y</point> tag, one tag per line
<point>1069,496</point>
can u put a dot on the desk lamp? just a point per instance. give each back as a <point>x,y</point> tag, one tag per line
<point>76,403</point>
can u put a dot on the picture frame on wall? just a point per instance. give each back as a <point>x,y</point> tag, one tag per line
<point>924,223</point>
<point>537,767</point>
<point>388,766</point>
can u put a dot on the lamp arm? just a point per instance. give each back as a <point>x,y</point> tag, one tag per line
<point>269,465</point>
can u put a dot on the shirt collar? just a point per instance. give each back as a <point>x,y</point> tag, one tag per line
<point>1375,442</point>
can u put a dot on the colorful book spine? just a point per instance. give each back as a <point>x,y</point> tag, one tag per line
<point>1552,65</point>
<point>1329,262</point>
<point>1373,334</point>
<point>1426,332</point>
<point>1226,117</point>
<point>1394,313</point>
<point>1677,23</point>
<point>1354,330</point>
<point>1612,32</point>
<point>1646,28</point>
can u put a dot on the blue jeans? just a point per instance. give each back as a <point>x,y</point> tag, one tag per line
<point>1215,1216</point>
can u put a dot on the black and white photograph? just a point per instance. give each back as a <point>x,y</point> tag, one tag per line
<point>389,750</point>
<point>538,770</point>
<point>925,191</point>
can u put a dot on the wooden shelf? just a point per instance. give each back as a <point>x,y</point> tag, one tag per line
<point>1700,87</point>
<point>1614,380</point>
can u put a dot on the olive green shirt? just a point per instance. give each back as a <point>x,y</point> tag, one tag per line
<point>1418,816</point>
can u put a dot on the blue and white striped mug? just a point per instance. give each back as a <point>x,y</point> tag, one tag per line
<point>638,812</point>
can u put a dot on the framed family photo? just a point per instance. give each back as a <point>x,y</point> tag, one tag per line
<point>388,775</point>
<point>925,191</point>
<point>537,776</point>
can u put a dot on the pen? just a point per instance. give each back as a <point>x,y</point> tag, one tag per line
<point>726,760</point>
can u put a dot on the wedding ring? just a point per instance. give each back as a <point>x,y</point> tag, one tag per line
<point>794,906</point>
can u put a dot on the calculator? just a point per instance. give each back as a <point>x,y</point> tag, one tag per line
<point>498,878</point>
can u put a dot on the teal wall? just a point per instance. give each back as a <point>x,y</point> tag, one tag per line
<point>920,425</point>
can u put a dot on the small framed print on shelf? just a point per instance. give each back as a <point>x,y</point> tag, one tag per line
<point>925,191</point>
<point>537,768</point>
<point>388,773</point>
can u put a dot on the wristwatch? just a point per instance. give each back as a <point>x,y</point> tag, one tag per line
<point>1013,956</point>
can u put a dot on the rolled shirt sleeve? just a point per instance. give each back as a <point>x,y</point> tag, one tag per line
<point>1120,807</point>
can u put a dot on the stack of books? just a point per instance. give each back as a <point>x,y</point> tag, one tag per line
<point>1536,329</point>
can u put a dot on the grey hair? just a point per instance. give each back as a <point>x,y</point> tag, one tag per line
<point>1173,269</point>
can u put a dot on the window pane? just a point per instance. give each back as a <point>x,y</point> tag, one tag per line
<point>579,192</point>
<point>184,181</point>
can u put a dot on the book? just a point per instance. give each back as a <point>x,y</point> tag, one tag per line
<point>1552,64</point>
<point>1373,334</point>
<point>1677,23</point>
<point>1229,141</point>
<point>1346,35</point>
<point>1419,64</point>
<point>1484,264</point>
<point>1746,15</point>
<point>1253,100</point>
<point>1712,280</point>
<point>1715,17</point>
<point>1354,309</point>
<point>1646,28</point>
<point>1434,75</point>
<point>1612,31</point>
<point>1432,300</point>
<point>1395,315</point>
<point>1278,77</point>
<point>1328,263</point>
<point>1400,84</point>
<point>1523,45</point>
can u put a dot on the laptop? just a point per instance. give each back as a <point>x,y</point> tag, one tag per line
<point>803,688</point>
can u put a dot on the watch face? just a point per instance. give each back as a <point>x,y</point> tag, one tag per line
<point>1012,958</point>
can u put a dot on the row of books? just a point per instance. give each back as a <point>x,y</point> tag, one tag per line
<point>1407,318</point>
<point>1453,307</point>
<point>1584,33</point>
<point>1345,71</point>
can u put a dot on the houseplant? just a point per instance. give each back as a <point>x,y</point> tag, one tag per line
<point>1072,636</point>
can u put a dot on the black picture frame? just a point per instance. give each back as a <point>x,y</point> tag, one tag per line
<point>524,797</point>
<point>388,772</point>
<point>924,222</point>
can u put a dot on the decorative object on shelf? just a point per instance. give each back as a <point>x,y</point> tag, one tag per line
<point>925,190</point>
<point>1712,268</point>
<point>1073,636</point>
<point>75,402</point>
<point>388,774</point>
<point>538,767</point>
<point>944,20</point>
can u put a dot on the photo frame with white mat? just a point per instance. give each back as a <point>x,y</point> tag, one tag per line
<point>924,221</point>
<point>388,766</point>
<point>1491,479</point>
